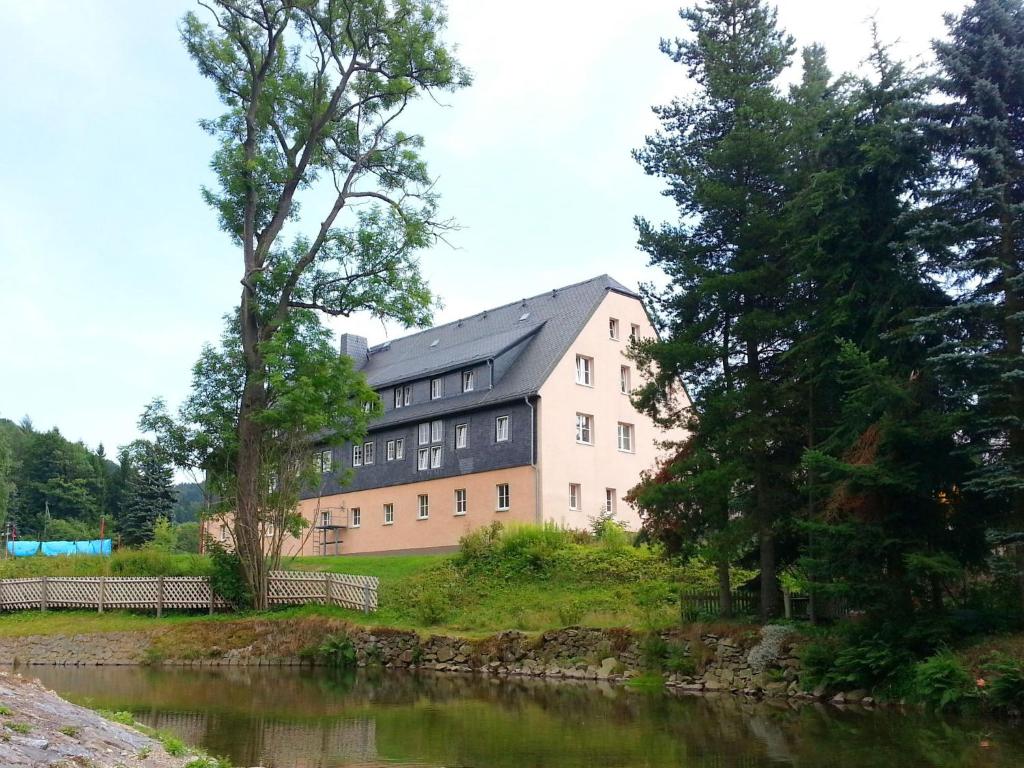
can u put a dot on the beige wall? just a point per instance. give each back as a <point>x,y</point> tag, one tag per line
<point>443,527</point>
<point>600,465</point>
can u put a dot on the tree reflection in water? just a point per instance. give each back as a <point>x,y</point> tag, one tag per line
<point>304,718</point>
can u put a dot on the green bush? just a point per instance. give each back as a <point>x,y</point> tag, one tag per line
<point>571,614</point>
<point>226,576</point>
<point>869,662</point>
<point>816,660</point>
<point>679,661</point>
<point>431,607</point>
<point>942,682</point>
<point>1004,684</point>
<point>337,651</point>
<point>653,651</point>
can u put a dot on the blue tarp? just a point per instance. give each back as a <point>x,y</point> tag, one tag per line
<point>54,548</point>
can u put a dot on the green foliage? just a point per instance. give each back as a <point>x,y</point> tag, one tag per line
<point>148,495</point>
<point>337,651</point>
<point>653,651</point>
<point>869,662</point>
<point>70,731</point>
<point>942,682</point>
<point>22,728</point>
<point>570,614</point>
<point>1004,684</point>
<point>227,577</point>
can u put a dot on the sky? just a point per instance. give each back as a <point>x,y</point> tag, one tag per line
<point>113,272</point>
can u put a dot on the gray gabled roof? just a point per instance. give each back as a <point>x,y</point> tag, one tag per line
<point>552,321</point>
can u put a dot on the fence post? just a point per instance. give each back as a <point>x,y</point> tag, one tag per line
<point>327,588</point>
<point>159,596</point>
<point>366,598</point>
<point>211,596</point>
<point>787,604</point>
<point>102,594</point>
<point>44,594</point>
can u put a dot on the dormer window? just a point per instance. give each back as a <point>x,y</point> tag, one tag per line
<point>468,381</point>
<point>613,329</point>
<point>403,396</point>
<point>436,388</point>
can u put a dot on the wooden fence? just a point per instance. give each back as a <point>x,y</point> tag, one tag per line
<point>795,606</point>
<point>157,593</point>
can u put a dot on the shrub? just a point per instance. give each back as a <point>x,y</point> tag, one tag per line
<point>942,682</point>
<point>816,660</point>
<point>1005,689</point>
<point>337,650</point>
<point>226,576</point>
<point>652,598</point>
<point>679,661</point>
<point>431,607</point>
<point>653,651</point>
<point>871,663</point>
<point>571,613</point>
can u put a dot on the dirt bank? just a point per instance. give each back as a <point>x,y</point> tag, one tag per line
<point>38,728</point>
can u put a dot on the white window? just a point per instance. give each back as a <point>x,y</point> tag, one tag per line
<point>390,451</point>
<point>609,500</point>
<point>435,456</point>
<point>423,459</point>
<point>436,388</point>
<point>436,431</point>
<point>625,437</point>
<point>323,461</point>
<point>403,396</point>
<point>585,370</point>
<point>574,496</point>
<point>423,507</point>
<point>424,433</point>
<point>634,332</point>
<point>389,514</point>
<point>501,429</point>
<point>273,480</point>
<point>503,497</point>
<point>271,530</point>
<point>624,386</point>
<point>325,518</point>
<point>357,517</point>
<point>613,328</point>
<point>460,501</point>
<point>400,448</point>
<point>461,435</point>
<point>468,381</point>
<point>357,455</point>
<point>223,533</point>
<point>369,453</point>
<point>584,428</point>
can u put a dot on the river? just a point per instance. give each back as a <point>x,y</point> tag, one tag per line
<point>318,718</point>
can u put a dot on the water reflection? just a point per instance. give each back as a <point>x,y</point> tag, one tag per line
<point>302,718</point>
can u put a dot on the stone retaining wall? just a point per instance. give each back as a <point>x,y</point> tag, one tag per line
<point>758,665</point>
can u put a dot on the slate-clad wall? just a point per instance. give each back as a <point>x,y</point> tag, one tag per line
<point>482,454</point>
<point>452,386</point>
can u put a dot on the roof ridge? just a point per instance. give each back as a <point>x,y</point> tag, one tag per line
<point>605,276</point>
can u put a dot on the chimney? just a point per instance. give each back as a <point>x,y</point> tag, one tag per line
<point>356,348</point>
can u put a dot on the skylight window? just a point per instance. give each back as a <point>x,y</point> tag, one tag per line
<point>435,342</point>
<point>524,316</point>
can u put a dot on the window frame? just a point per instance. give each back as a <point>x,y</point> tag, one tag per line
<point>625,379</point>
<point>461,502</point>
<point>325,518</point>
<point>468,380</point>
<point>508,497</point>
<point>356,517</point>
<point>423,433</point>
<point>634,332</point>
<point>389,514</point>
<point>587,426</point>
<point>357,454</point>
<point>613,328</point>
<point>422,506</point>
<point>498,432</point>
<point>389,451</point>
<point>399,449</point>
<point>584,371</point>
<point>329,465</point>
<point>369,452</point>
<point>437,381</point>
<point>436,451</point>
<point>575,496</point>
<point>629,434</point>
<point>609,501</point>
<point>462,436</point>
<point>437,431</point>
<point>422,459</point>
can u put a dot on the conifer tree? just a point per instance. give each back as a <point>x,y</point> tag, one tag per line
<point>148,493</point>
<point>976,236</point>
<point>719,154</point>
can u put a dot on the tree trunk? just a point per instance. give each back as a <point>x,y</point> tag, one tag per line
<point>724,589</point>
<point>769,576</point>
<point>247,508</point>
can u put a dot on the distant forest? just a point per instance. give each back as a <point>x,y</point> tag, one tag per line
<point>53,488</point>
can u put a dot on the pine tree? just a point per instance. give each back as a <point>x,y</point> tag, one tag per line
<point>718,152</point>
<point>148,493</point>
<point>976,236</point>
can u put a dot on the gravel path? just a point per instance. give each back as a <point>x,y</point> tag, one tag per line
<point>39,728</point>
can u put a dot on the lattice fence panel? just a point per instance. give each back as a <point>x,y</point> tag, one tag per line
<point>287,588</point>
<point>187,592</point>
<point>72,592</point>
<point>131,592</point>
<point>16,594</point>
<point>358,592</point>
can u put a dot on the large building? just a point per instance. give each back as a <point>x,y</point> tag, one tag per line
<point>519,414</point>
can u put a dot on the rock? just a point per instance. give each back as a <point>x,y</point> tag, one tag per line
<point>839,698</point>
<point>857,695</point>
<point>444,653</point>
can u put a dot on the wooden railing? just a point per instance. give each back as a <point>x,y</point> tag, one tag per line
<point>158,593</point>
<point>747,603</point>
